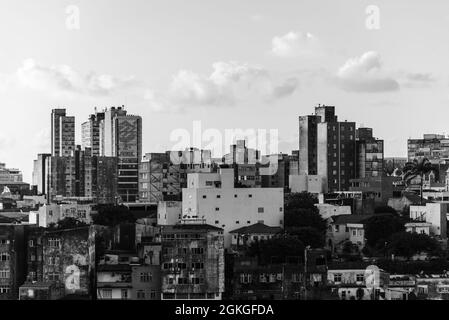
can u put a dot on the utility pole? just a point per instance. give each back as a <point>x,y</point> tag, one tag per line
<point>306,279</point>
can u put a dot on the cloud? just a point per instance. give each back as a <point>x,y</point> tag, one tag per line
<point>286,88</point>
<point>365,74</point>
<point>418,80</point>
<point>294,44</point>
<point>228,84</point>
<point>58,79</point>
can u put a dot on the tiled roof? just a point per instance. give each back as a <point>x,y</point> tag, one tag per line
<point>350,218</point>
<point>188,226</point>
<point>258,228</point>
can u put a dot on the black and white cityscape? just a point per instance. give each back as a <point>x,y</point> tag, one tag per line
<point>224,150</point>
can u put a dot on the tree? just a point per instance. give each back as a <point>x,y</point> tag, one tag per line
<point>379,228</point>
<point>300,211</point>
<point>70,223</point>
<point>113,215</point>
<point>416,169</point>
<point>385,209</point>
<point>407,244</point>
<point>303,200</point>
<point>309,236</point>
<point>67,223</point>
<point>276,249</point>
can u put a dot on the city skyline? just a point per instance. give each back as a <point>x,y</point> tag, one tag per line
<point>383,78</point>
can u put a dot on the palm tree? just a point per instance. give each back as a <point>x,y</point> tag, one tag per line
<point>416,168</point>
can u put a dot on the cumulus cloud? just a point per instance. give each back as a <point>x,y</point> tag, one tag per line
<point>228,84</point>
<point>418,80</point>
<point>366,74</point>
<point>294,44</point>
<point>64,79</point>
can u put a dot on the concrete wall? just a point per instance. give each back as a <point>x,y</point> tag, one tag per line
<point>328,210</point>
<point>234,208</point>
<point>435,214</point>
<point>169,212</point>
<point>308,183</point>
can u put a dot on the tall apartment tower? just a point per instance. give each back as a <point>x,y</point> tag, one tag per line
<point>327,148</point>
<point>308,134</point>
<point>90,133</point>
<point>370,154</point>
<point>39,173</point>
<point>121,136</point>
<point>307,157</point>
<point>62,133</point>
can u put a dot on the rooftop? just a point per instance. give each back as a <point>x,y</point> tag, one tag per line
<point>351,218</point>
<point>258,228</point>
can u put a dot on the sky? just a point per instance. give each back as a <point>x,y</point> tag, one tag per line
<point>229,64</point>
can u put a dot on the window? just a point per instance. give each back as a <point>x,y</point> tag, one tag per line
<point>197,265</point>
<point>53,277</point>
<point>235,196</point>
<point>281,209</point>
<point>54,242</point>
<point>53,261</point>
<point>204,197</point>
<point>218,196</point>
<point>4,289</point>
<point>153,294</point>
<point>4,274</point>
<point>197,250</point>
<point>422,289</point>
<point>183,281</point>
<point>140,294</point>
<point>237,222</point>
<point>337,277</point>
<point>260,210</point>
<point>245,278</point>
<point>354,233</point>
<point>124,293</point>
<point>217,209</point>
<point>4,241</point>
<point>360,277</point>
<point>217,222</point>
<point>250,195</point>
<point>182,266</point>
<point>145,277</point>
<point>4,256</point>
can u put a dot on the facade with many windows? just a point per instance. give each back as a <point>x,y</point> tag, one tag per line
<point>192,264</point>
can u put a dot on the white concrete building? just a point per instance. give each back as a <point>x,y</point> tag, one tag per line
<point>169,212</point>
<point>212,198</point>
<point>418,227</point>
<point>53,213</point>
<point>328,210</point>
<point>309,183</point>
<point>433,213</point>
